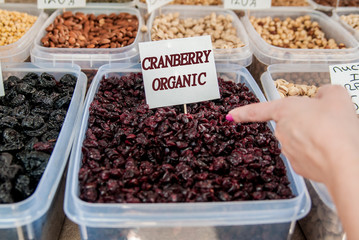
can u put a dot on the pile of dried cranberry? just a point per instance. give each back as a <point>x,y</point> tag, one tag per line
<point>31,115</point>
<point>132,154</point>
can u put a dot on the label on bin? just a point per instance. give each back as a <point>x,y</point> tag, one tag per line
<point>247,4</point>
<point>347,75</point>
<point>52,4</point>
<point>178,71</point>
<point>154,4</point>
<point>2,91</point>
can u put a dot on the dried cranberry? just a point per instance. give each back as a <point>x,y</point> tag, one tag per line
<point>135,154</point>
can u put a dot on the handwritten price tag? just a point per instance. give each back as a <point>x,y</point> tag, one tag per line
<point>347,75</point>
<point>52,4</point>
<point>2,91</point>
<point>154,4</point>
<point>178,71</point>
<point>247,4</point>
<point>2,1</point>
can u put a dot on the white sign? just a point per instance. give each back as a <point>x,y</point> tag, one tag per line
<point>2,1</point>
<point>52,4</point>
<point>347,75</point>
<point>2,91</point>
<point>178,71</point>
<point>154,4</point>
<point>247,4</point>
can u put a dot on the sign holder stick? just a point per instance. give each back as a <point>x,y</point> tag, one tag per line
<point>185,108</point>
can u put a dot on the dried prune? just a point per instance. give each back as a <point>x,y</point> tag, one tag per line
<point>5,192</point>
<point>8,170</point>
<point>22,185</point>
<point>68,80</point>
<point>32,112</point>
<point>32,122</point>
<point>135,154</point>
<point>47,81</point>
<point>8,121</point>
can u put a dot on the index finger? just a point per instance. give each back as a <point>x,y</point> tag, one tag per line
<point>255,112</point>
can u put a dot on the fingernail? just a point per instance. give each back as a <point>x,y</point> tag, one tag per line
<point>229,117</point>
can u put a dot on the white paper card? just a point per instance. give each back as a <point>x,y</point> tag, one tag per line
<point>179,71</point>
<point>154,4</point>
<point>2,1</point>
<point>347,75</point>
<point>2,91</point>
<point>52,4</point>
<point>247,4</point>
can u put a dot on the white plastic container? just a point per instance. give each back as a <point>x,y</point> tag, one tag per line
<point>322,222</point>
<point>346,11</point>
<point>87,58</point>
<point>19,51</point>
<point>241,56</point>
<point>207,221</point>
<point>41,215</point>
<point>266,54</point>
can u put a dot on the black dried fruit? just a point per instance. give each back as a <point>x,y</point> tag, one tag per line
<point>32,113</point>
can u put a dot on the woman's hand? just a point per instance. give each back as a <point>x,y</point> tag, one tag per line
<point>320,137</point>
<point>315,133</point>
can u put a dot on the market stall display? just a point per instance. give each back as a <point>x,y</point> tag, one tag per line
<point>209,205</point>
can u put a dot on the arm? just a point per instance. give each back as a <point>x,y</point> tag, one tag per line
<point>320,137</point>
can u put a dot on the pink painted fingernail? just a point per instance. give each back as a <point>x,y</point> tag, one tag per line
<point>229,117</point>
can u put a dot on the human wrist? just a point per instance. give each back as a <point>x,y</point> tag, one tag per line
<point>343,171</point>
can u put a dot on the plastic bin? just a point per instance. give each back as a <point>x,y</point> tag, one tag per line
<point>41,215</point>
<point>87,58</point>
<point>19,51</point>
<point>212,220</point>
<point>266,54</point>
<point>241,56</point>
<point>346,11</point>
<point>322,222</point>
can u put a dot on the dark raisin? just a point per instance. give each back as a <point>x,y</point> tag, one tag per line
<point>135,154</point>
